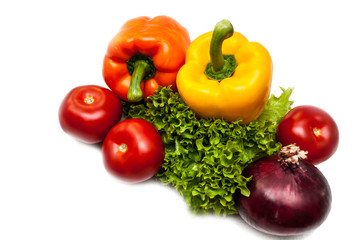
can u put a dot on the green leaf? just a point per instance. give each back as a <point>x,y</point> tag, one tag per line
<point>204,158</point>
<point>277,107</point>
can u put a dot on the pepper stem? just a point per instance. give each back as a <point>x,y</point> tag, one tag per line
<point>141,69</point>
<point>221,66</point>
<point>222,31</point>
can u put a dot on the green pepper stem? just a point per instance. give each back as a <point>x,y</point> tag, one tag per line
<point>222,31</point>
<point>141,69</point>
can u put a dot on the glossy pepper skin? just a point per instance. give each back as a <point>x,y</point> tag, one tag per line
<point>240,94</point>
<point>144,54</point>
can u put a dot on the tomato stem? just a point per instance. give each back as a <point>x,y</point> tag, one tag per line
<point>123,147</point>
<point>89,100</point>
<point>317,132</point>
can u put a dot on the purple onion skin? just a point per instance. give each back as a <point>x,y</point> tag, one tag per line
<point>284,201</point>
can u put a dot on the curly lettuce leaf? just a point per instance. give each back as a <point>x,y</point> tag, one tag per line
<point>204,158</point>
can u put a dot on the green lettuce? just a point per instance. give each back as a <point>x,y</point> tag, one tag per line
<point>204,158</point>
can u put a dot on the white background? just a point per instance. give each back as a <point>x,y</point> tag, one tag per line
<point>53,187</point>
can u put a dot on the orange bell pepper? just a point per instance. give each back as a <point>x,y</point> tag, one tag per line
<point>144,54</point>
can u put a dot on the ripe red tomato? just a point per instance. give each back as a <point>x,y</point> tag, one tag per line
<point>89,112</point>
<point>312,129</point>
<point>133,150</point>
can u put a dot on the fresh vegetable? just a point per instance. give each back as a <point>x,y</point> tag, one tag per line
<point>216,139</point>
<point>311,128</point>
<point>133,150</point>
<point>144,54</point>
<point>226,76</point>
<point>204,158</point>
<point>89,112</point>
<point>289,196</point>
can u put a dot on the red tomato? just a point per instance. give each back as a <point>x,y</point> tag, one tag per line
<point>89,112</point>
<point>133,150</point>
<point>312,129</point>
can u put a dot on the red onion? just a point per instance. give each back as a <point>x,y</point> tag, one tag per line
<point>289,196</point>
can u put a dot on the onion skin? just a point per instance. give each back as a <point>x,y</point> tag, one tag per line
<point>284,201</point>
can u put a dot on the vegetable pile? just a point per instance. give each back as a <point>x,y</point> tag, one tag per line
<point>199,116</point>
<point>204,158</point>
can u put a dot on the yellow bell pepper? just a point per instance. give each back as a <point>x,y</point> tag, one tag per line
<point>225,75</point>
